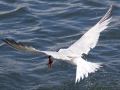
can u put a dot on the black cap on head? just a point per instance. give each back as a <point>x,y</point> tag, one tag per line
<point>49,56</point>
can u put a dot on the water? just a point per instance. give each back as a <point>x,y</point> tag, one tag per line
<point>51,25</point>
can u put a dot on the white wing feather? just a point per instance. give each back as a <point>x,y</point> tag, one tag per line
<point>90,38</point>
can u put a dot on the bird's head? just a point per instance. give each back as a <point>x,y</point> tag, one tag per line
<point>49,62</point>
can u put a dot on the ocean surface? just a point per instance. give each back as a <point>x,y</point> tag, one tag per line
<point>51,25</point>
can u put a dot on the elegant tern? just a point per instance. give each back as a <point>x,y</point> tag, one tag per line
<point>73,54</point>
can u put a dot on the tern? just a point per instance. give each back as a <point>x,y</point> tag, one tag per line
<point>74,53</point>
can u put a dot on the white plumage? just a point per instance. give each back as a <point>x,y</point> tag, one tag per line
<point>73,54</point>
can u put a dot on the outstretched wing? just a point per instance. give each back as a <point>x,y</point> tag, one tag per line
<point>90,38</point>
<point>21,47</point>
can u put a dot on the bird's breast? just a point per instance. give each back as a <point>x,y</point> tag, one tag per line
<point>73,62</point>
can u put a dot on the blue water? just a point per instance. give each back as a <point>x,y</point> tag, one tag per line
<point>51,25</point>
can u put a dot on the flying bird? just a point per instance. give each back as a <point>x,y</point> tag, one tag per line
<point>73,54</point>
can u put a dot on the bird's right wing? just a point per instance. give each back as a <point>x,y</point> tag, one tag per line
<point>90,38</point>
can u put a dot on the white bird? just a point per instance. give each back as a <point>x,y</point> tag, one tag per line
<point>73,54</point>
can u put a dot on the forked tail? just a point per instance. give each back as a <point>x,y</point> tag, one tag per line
<point>85,67</point>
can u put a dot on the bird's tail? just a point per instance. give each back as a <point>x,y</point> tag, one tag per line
<point>84,67</point>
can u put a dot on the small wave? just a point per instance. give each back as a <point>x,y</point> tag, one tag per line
<point>16,8</point>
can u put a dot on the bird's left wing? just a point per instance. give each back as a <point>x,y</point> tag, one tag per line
<point>90,38</point>
<point>21,47</point>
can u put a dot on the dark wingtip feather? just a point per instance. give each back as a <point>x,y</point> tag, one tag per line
<point>107,15</point>
<point>4,40</point>
<point>7,40</point>
<point>21,44</point>
<point>12,41</point>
